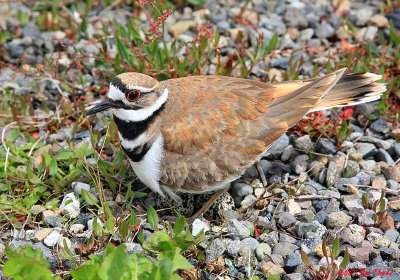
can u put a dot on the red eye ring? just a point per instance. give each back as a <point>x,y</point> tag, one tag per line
<point>133,95</point>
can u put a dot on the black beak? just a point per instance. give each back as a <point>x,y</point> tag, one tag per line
<point>102,106</point>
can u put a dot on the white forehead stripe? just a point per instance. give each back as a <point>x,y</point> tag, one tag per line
<point>141,114</point>
<point>115,94</point>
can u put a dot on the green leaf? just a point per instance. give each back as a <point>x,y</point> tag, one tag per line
<point>179,225</point>
<point>345,261</point>
<point>90,198</point>
<point>12,135</point>
<point>336,247</point>
<point>114,264</point>
<point>364,201</point>
<point>394,37</point>
<point>197,2</point>
<point>86,272</point>
<point>133,218</point>
<point>27,263</point>
<point>305,258</point>
<point>123,229</point>
<point>152,217</point>
<point>64,155</point>
<point>274,277</point>
<point>110,224</point>
<point>273,43</point>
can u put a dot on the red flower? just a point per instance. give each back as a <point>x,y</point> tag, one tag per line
<point>346,113</point>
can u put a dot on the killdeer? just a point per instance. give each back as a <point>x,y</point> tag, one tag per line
<point>199,133</point>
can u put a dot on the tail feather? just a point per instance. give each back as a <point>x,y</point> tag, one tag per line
<point>351,90</point>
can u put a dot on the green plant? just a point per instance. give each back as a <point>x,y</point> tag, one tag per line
<point>331,271</point>
<point>27,263</point>
<point>379,207</point>
<point>163,260</point>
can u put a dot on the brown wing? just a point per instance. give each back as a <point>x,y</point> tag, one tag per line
<point>215,127</point>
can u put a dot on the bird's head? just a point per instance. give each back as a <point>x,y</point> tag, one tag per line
<point>132,94</point>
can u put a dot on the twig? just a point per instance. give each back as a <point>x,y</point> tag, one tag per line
<point>311,197</point>
<point>3,133</point>
<point>35,144</point>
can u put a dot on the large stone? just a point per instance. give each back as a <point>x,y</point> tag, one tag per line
<point>284,249</point>
<point>366,149</point>
<point>352,169</point>
<point>310,230</point>
<point>70,206</point>
<point>335,169</point>
<point>325,146</point>
<point>216,249</point>
<point>293,261</point>
<point>269,269</point>
<point>263,251</point>
<point>303,143</point>
<point>241,189</point>
<point>181,27</point>
<point>52,239</point>
<point>198,226</point>
<point>293,207</point>
<point>337,220</point>
<point>237,230</point>
<point>392,172</point>
<point>41,234</point>
<point>379,20</point>
<point>353,234</point>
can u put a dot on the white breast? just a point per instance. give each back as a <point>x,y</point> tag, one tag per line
<point>148,169</point>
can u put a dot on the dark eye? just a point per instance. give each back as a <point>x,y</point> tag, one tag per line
<point>133,95</point>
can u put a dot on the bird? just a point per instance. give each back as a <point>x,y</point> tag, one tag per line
<point>198,134</point>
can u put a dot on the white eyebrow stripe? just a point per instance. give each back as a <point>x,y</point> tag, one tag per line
<point>144,89</point>
<point>141,114</point>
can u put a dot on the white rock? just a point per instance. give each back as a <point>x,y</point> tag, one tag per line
<point>29,234</point>
<point>293,207</point>
<point>52,238</point>
<point>70,206</point>
<point>78,187</point>
<point>76,228</point>
<point>199,225</point>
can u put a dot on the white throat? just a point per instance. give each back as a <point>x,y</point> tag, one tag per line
<point>141,114</point>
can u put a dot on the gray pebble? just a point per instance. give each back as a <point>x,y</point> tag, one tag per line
<point>337,220</point>
<point>284,249</point>
<point>237,230</point>
<point>292,261</point>
<point>241,189</point>
<point>366,149</point>
<point>309,230</point>
<point>216,249</point>
<point>324,146</point>
<point>263,251</point>
<point>382,155</point>
<point>303,143</point>
<point>286,219</point>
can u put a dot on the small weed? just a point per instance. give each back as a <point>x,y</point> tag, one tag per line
<point>331,271</point>
<point>379,207</point>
